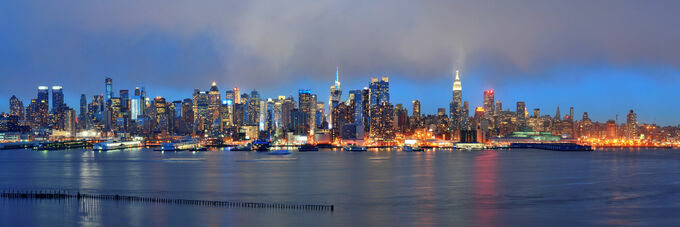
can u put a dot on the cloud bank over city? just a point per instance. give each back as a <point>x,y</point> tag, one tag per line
<point>185,44</point>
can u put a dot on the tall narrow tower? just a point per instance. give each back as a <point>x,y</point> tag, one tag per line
<point>455,109</point>
<point>335,96</point>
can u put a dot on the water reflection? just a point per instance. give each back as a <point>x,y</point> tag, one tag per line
<point>485,187</point>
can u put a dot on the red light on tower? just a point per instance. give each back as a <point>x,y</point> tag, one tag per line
<point>489,91</point>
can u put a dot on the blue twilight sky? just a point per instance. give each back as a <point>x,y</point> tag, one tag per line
<point>604,57</point>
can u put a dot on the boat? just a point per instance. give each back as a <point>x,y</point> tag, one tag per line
<point>412,149</point>
<point>279,152</point>
<point>246,147</point>
<point>117,145</point>
<point>307,147</point>
<point>187,144</point>
<point>354,148</point>
<point>50,146</point>
<point>17,145</point>
<point>261,145</point>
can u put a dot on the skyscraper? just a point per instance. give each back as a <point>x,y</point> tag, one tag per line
<point>455,108</point>
<point>135,104</point>
<point>200,109</point>
<point>537,112</point>
<point>632,127</point>
<point>381,110</point>
<point>214,104</point>
<point>611,129</point>
<point>109,90</point>
<point>489,105</point>
<point>306,104</point>
<point>57,99</point>
<point>499,107</point>
<point>379,91</point>
<point>16,107</point>
<point>253,109</point>
<point>41,111</point>
<point>557,114</point>
<point>416,108</point>
<point>521,111</point>
<point>336,94</point>
<point>108,95</point>
<point>161,118</point>
<point>237,96</point>
<point>82,115</point>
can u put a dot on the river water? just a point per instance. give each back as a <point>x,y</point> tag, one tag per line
<point>623,187</point>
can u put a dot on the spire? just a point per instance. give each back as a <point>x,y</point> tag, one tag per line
<point>456,83</point>
<point>557,114</point>
<point>337,78</point>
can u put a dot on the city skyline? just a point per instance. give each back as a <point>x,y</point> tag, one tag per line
<point>429,103</point>
<point>604,58</point>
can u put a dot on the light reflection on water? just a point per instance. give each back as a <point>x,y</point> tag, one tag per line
<point>481,188</point>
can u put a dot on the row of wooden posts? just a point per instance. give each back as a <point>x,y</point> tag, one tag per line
<point>59,194</point>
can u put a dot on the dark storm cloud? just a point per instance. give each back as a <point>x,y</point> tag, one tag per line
<point>186,44</point>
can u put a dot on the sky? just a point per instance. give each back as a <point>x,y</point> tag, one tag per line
<point>603,57</point>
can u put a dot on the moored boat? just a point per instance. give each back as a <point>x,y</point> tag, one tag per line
<point>261,145</point>
<point>412,149</point>
<point>187,144</point>
<point>308,147</point>
<point>354,148</point>
<point>117,145</point>
<point>279,152</point>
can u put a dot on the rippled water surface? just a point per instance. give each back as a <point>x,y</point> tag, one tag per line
<point>434,188</point>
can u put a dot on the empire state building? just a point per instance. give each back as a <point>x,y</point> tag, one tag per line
<point>455,109</point>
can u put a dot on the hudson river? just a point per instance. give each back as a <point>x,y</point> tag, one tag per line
<point>636,187</point>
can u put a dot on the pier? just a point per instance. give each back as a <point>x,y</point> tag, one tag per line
<point>552,146</point>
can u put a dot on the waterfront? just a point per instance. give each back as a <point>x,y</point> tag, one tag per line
<point>496,187</point>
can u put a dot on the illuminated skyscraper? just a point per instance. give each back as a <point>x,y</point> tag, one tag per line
<point>611,129</point>
<point>57,98</point>
<point>466,114</point>
<point>109,90</point>
<point>499,107</point>
<point>381,110</point>
<point>237,96</point>
<point>306,105</point>
<point>135,104</point>
<point>108,95</point>
<point>632,127</point>
<point>379,91</point>
<point>416,108</point>
<point>41,110</point>
<point>161,119</point>
<point>70,121</point>
<point>187,115</point>
<point>16,107</point>
<point>489,105</point>
<point>366,108</point>
<point>214,104</point>
<point>557,114</point>
<point>336,94</point>
<point>455,108</point>
<point>82,115</point>
<point>537,112</point>
<point>521,112</point>
<point>201,113</point>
